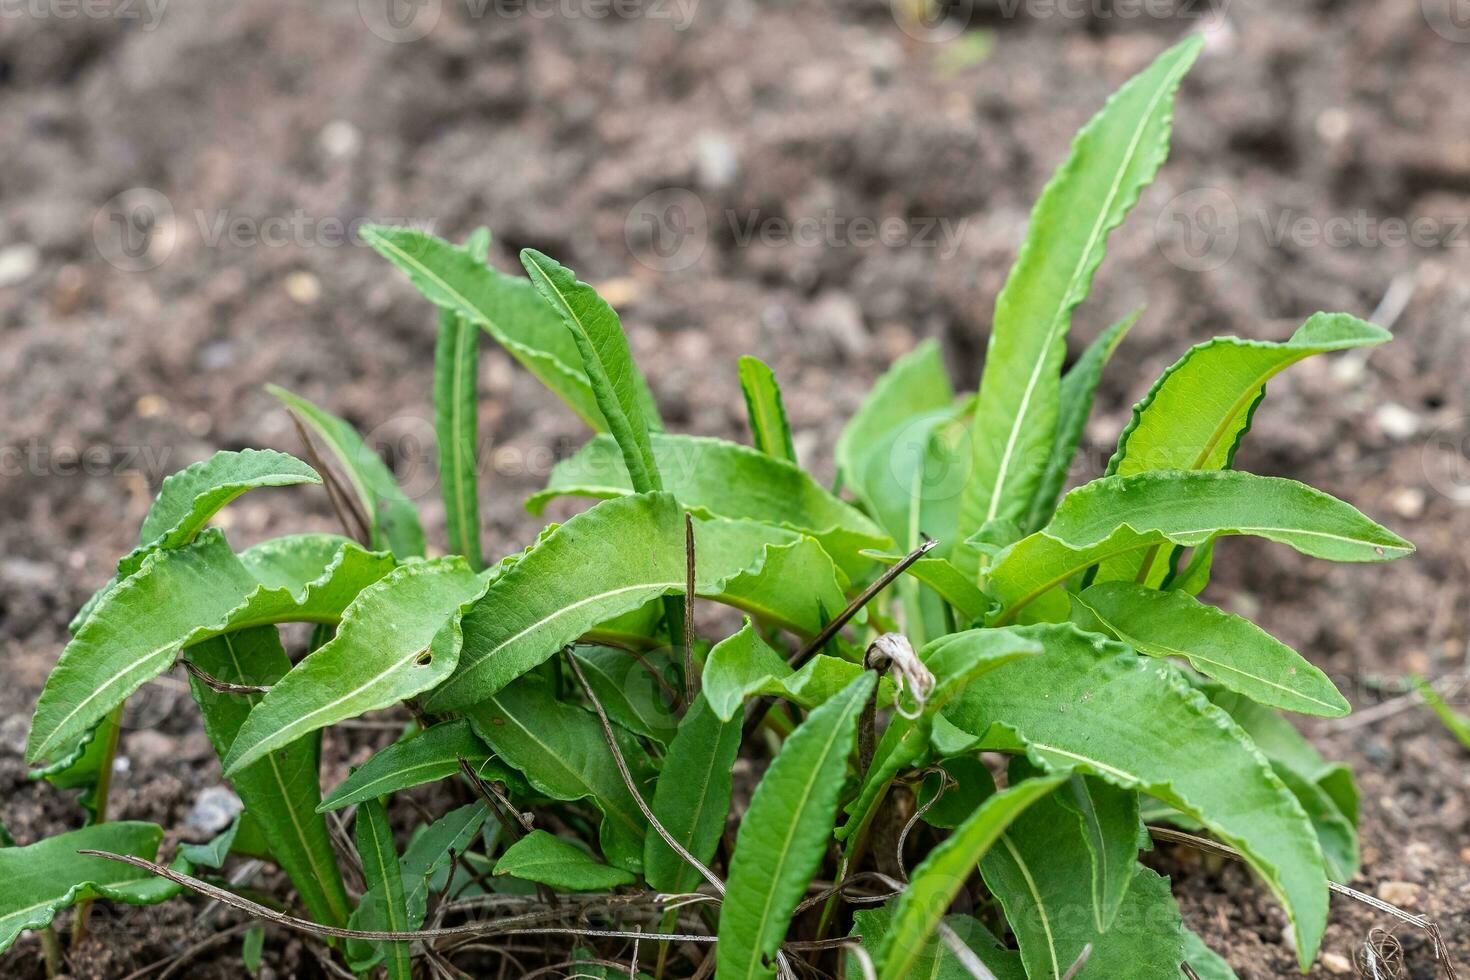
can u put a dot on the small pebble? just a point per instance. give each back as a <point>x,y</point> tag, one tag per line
<point>213,810</point>
<point>150,406</point>
<point>1337,963</point>
<point>1396,421</point>
<point>304,288</point>
<point>1404,894</point>
<point>1407,502</point>
<point>340,139</point>
<point>18,263</point>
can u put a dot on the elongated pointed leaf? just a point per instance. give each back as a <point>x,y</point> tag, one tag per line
<point>743,666</point>
<point>606,561</point>
<point>43,878</point>
<point>83,768</point>
<point>506,307</point>
<point>952,585</point>
<point>392,518</point>
<point>431,755</point>
<point>765,592</point>
<point>1078,386</point>
<point>1121,514</point>
<point>692,797</point>
<point>563,753</point>
<point>723,479</point>
<point>1200,409</point>
<point>939,878</point>
<point>1033,871</point>
<point>616,381</point>
<point>456,364</point>
<point>399,637</point>
<point>768,425</point>
<point>1112,159</point>
<point>1134,723</point>
<point>281,790</point>
<point>1234,651</point>
<point>548,859</point>
<point>936,961</point>
<point>1206,963</point>
<point>384,906</point>
<point>783,835</point>
<point>1110,828</point>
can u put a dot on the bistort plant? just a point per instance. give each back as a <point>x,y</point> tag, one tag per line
<point>822,789</point>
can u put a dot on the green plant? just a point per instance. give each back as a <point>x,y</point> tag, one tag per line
<point>599,745</point>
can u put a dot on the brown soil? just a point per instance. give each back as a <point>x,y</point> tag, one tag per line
<point>552,130</point>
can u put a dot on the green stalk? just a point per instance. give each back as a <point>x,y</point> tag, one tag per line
<point>104,787</point>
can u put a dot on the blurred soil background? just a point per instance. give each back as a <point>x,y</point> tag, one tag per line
<point>721,171</point>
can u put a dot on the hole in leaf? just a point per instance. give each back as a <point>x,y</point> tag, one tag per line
<point>424,659</point>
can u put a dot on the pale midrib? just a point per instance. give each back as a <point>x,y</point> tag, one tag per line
<point>1055,325</point>
<point>1051,943</point>
<point>456,408</point>
<point>365,791</point>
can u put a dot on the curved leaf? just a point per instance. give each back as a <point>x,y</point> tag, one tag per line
<point>692,796</point>
<point>1234,651</point>
<point>768,425</point>
<point>952,585</point>
<point>431,755</point>
<point>1112,159</point>
<point>456,365</point>
<point>1120,514</point>
<point>546,858</point>
<point>1134,723</point>
<point>743,666</point>
<point>936,881</point>
<point>384,906</point>
<point>1111,825</point>
<point>400,636</point>
<point>782,837</point>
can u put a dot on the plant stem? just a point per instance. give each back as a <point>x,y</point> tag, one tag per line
<point>104,788</point>
<point>51,949</point>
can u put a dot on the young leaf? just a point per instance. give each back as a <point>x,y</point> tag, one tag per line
<point>1134,723</point>
<point>393,520</point>
<point>1074,406</point>
<point>82,769</point>
<point>1200,409</point>
<point>782,837</point>
<point>384,906</point>
<point>399,637</point>
<point>43,878</point>
<point>937,961</point>
<point>616,381</point>
<point>1033,871</point>
<point>692,797</point>
<point>939,878</point>
<point>1112,159</point>
<point>506,307</point>
<point>431,755</point>
<point>562,752</point>
<point>1119,514</point>
<point>1206,963</point>
<point>606,561</point>
<point>948,581</point>
<point>1234,651</point>
<point>281,790</point>
<point>768,425</point>
<point>743,666</point>
<point>456,364</point>
<point>1458,724</point>
<point>724,479</point>
<point>635,691</point>
<point>765,591</point>
<point>1110,825</point>
<point>546,858</point>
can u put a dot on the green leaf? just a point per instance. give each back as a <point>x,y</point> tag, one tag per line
<point>616,381</point>
<point>631,694</point>
<point>1457,723</point>
<point>82,769</point>
<point>768,425</point>
<point>546,858</point>
<point>1033,871</point>
<point>384,906</point>
<point>1136,724</point>
<point>431,755</point>
<point>1207,964</point>
<point>506,307</point>
<point>972,785</point>
<point>1074,406</point>
<point>606,561</point>
<point>783,835</point>
<point>935,883</point>
<point>251,948</point>
<point>392,518</point>
<point>764,591</point>
<point>743,666</point>
<point>43,878</point>
<point>1200,409</point>
<point>563,753</point>
<point>1112,159</point>
<point>1110,824</point>
<point>936,961</point>
<point>692,796</point>
<point>712,477</point>
<point>399,637</point>
<point>1121,514</point>
<point>456,365</point>
<point>280,791</point>
<point>1234,651</point>
<point>952,585</point>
